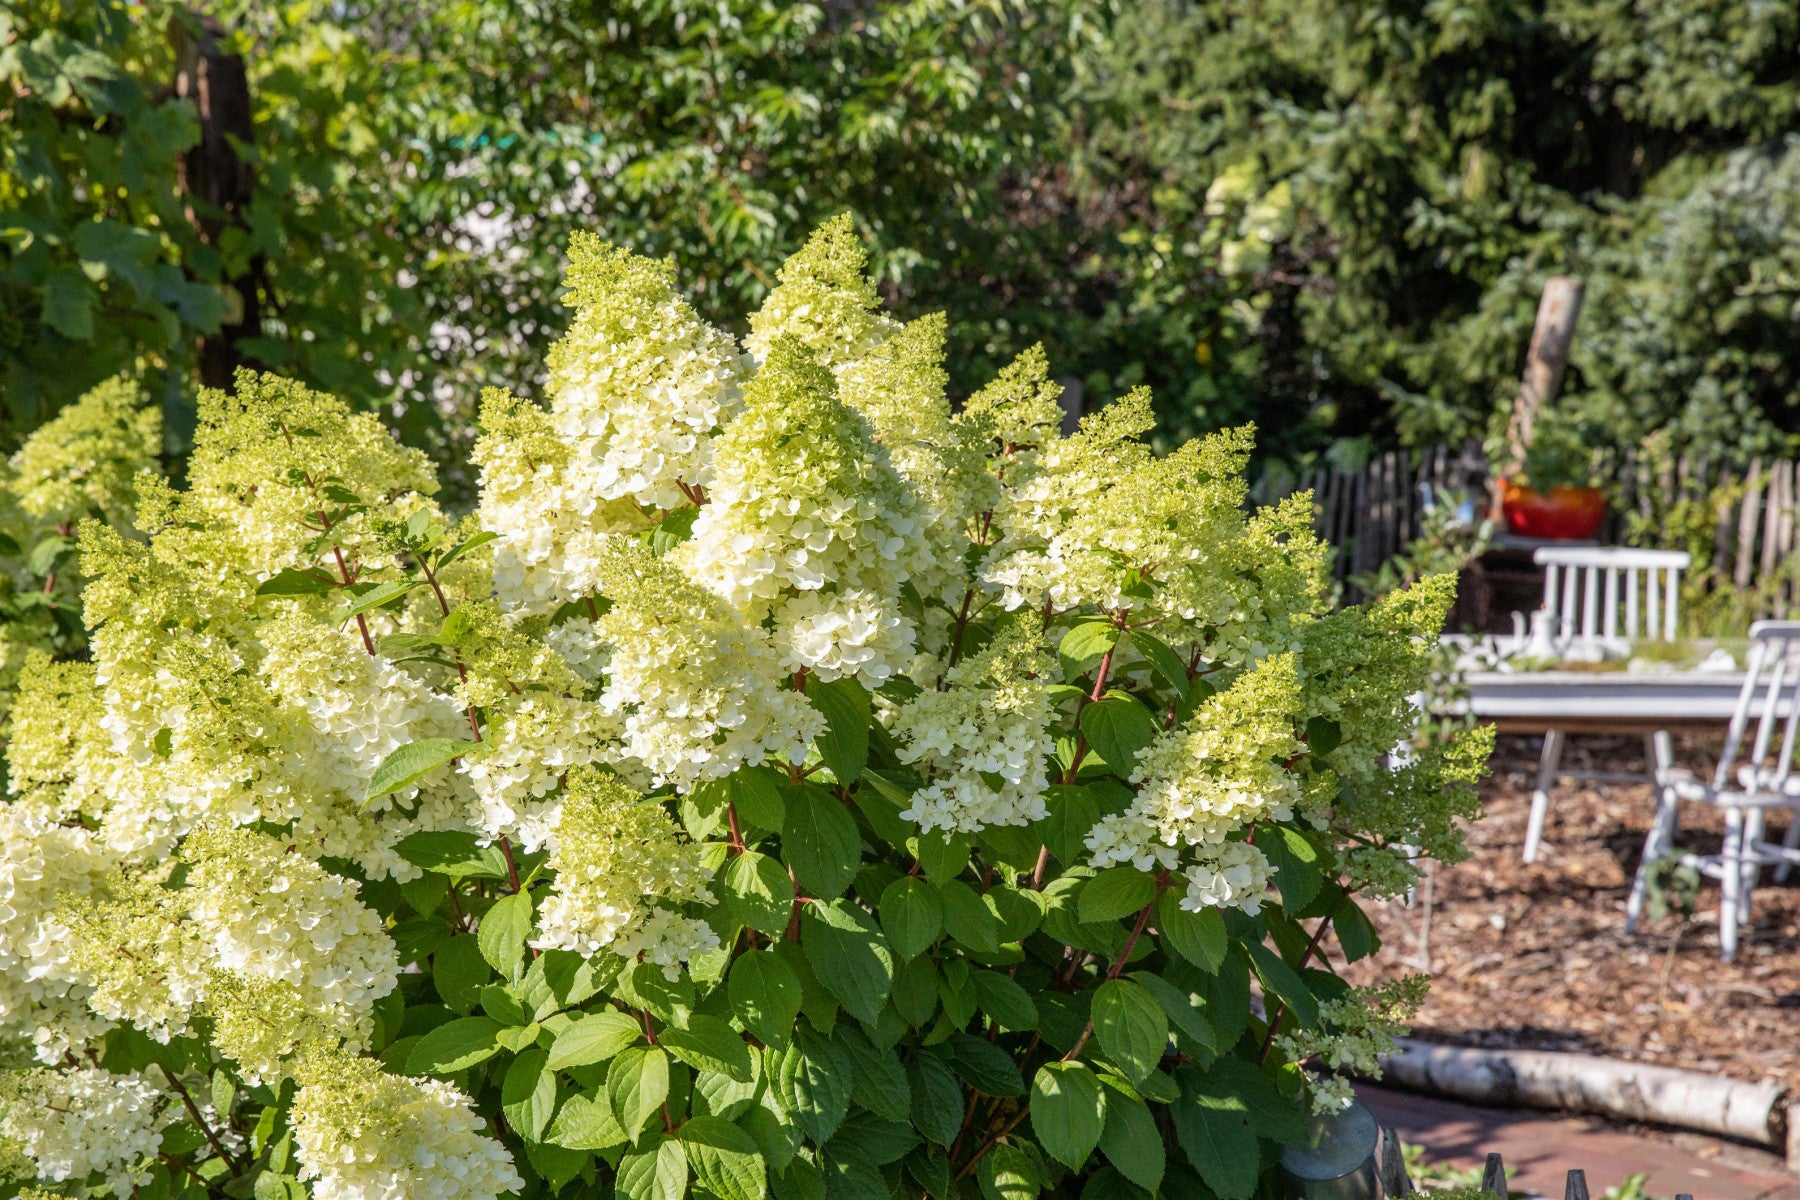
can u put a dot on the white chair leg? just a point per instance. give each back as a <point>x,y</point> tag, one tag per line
<point>1731,882</point>
<point>1754,820</point>
<point>1790,841</point>
<point>1548,763</point>
<point>1661,838</point>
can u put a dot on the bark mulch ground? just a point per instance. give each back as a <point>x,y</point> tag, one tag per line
<point>1536,956</point>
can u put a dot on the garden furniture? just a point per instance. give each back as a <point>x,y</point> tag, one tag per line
<point>1745,785</point>
<point>1598,600</point>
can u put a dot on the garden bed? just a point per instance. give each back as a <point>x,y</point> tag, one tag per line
<point>1534,956</point>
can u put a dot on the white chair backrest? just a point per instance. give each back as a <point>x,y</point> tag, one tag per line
<point>1771,699</point>
<point>1609,592</point>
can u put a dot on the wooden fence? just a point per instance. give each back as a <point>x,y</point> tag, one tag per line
<point>1371,514</point>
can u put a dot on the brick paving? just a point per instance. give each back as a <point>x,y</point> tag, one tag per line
<point>1540,1148</point>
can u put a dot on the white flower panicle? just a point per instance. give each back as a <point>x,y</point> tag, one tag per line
<point>1236,875</point>
<point>618,861</point>
<point>362,1134</point>
<point>264,910</point>
<point>44,864</point>
<point>640,383</point>
<point>982,741</point>
<point>824,300</point>
<point>84,1121</point>
<point>697,689</point>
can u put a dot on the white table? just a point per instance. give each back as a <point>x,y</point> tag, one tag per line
<point>1557,703</point>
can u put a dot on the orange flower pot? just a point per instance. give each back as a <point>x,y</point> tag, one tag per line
<point>1572,513</point>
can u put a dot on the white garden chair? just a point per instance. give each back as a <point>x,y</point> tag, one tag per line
<point>1603,599</point>
<point>1745,785</point>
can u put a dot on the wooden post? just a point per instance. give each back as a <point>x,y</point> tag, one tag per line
<point>218,182</point>
<point>1545,361</point>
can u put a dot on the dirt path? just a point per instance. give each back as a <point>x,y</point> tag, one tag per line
<point>1534,956</point>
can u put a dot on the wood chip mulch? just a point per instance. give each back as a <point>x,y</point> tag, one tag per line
<point>1536,956</point>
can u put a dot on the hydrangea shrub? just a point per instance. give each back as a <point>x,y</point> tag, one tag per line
<point>783,783</point>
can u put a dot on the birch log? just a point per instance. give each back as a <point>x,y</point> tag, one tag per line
<point>1751,1112</point>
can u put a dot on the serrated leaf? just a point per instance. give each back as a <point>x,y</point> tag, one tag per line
<point>1116,892</point>
<point>912,915</point>
<point>377,596</point>
<point>593,1038</point>
<point>878,1080</point>
<point>637,1083</point>
<point>1179,1008</point>
<point>453,1046</point>
<point>765,995</point>
<point>586,1123</point>
<point>1118,727</point>
<point>725,1160</point>
<point>812,1081</point>
<point>1198,937</point>
<point>1163,660</point>
<point>984,1066</point>
<point>528,1095</point>
<point>292,581</point>
<point>1131,1141</point>
<point>1355,934</point>
<point>1085,645</point>
<point>451,853</point>
<point>459,972</point>
<point>1297,868</point>
<point>502,933</point>
<point>656,1171</point>
<point>849,955</point>
<point>845,744</point>
<point>461,548</point>
<point>756,794</point>
<point>968,919</point>
<point>937,1098</point>
<point>1130,1026</point>
<point>709,1044</point>
<point>758,892</point>
<point>1072,813</point>
<point>1277,977</point>
<point>1068,1112</point>
<point>411,763</point>
<point>820,842</point>
<point>1005,1002</point>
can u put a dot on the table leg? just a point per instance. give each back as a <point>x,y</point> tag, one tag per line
<point>1540,799</point>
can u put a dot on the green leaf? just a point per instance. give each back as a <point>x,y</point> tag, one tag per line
<point>528,1095</point>
<point>878,1080</point>
<point>765,995</point>
<point>1283,981</point>
<point>725,1160</point>
<point>500,1004</point>
<point>984,1066</point>
<point>813,1081</point>
<point>943,855</point>
<point>459,972</point>
<point>586,1123</point>
<point>291,581</point>
<point>1131,1141</point>
<point>937,1098</point>
<point>411,763</point>
<point>915,993</point>
<point>461,548</point>
<point>502,933</point>
<point>709,1044</point>
<point>1179,1007</point>
<point>968,919</point>
<point>453,1046</point>
<point>451,853</point>
<point>1068,1112</point>
<point>1118,727</point>
<point>1116,892</point>
<point>1297,868</point>
<point>756,794</point>
<point>1163,660</point>
<point>658,1170</point>
<point>1271,1114</point>
<point>1198,937</point>
<point>377,596</point>
<point>637,1083</point>
<point>1085,645</point>
<point>758,892</point>
<point>1355,934</point>
<point>1073,812</point>
<point>1131,1027</point>
<point>68,304</point>
<point>820,842</point>
<point>1010,1173</point>
<point>45,554</point>
<point>1005,1002</point>
<point>555,1165</point>
<point>845,744</point>
<point>1323,735</point>
<point>848,954</point>
<point>912,915</point>
<point>1213,1127</point>
<point>593,1038</point>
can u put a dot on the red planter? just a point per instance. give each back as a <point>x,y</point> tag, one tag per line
<point>1567,512</point>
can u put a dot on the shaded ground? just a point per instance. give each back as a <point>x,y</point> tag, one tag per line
<point>1535,956</point>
